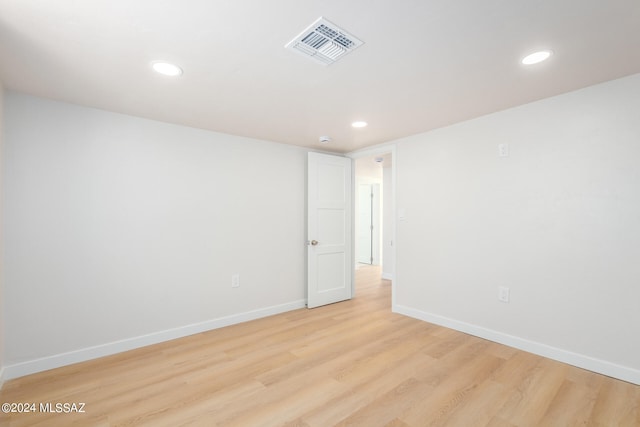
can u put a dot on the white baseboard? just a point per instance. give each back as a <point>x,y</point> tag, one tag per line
<point>585,362</point>
<point>82,355</point>
<point>387,276</point>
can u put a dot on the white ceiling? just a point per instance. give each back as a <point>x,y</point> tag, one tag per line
<point>425,63</point>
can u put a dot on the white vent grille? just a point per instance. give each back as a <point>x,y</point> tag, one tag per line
<point>324,42</point>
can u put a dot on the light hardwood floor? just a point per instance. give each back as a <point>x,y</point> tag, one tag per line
<point>351,363</point>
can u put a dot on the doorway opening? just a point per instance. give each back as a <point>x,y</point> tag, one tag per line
<point>373,220</point>
<point>368,207</point>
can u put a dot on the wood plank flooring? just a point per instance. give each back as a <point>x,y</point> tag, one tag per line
<point>348,364</point>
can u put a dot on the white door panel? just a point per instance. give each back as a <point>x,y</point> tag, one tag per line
<point>329,229</point>
<point>364,232</point>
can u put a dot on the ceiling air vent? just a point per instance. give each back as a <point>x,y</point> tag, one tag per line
<point>324,42</point>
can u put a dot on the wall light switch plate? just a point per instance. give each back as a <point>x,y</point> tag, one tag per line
<point>503,294</point>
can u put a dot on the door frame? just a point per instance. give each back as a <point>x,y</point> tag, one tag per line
<point>380,150</point>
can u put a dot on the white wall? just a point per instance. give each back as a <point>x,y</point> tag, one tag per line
<point>558,222</point>
<point>2,309</point>
<point>121,231</point>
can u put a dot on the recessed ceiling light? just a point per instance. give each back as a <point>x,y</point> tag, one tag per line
<point>536,57</point>
<point>166,68</point>
<point>359,124</point>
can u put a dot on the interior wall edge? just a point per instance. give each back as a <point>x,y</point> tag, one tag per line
<point>387,147</point>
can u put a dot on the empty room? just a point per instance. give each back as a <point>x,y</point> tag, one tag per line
<point>368,213</point>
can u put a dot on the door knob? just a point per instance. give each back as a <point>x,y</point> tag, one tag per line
<point>314,242</point>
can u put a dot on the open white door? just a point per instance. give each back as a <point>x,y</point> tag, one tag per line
<point>329,251</point>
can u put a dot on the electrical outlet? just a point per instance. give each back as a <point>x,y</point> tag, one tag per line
<point>503,294</point>
<point>503,150</point>
<point>235,280</point>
